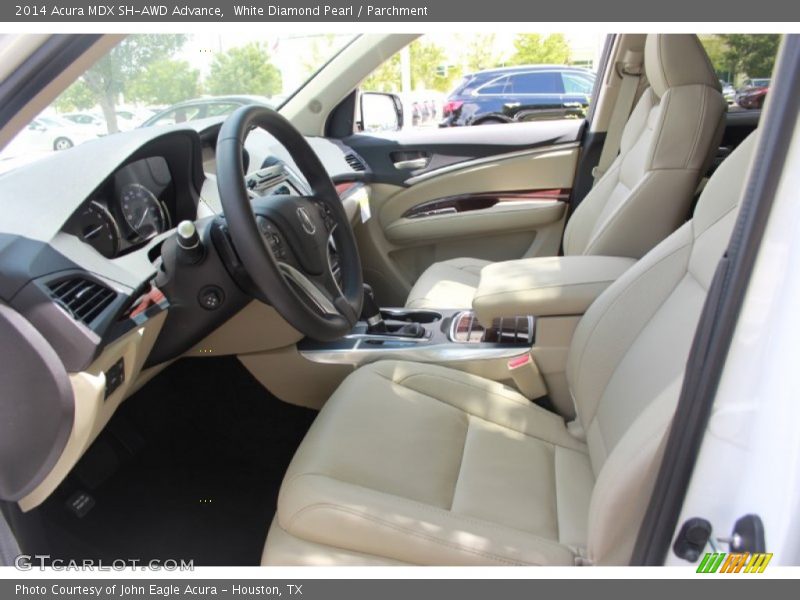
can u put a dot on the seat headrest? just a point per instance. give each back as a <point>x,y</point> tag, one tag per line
<point>672,60</point>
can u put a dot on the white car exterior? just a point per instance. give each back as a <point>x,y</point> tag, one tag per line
<point>47,133</point>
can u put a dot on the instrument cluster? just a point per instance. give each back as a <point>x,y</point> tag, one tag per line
<point>131,207</point>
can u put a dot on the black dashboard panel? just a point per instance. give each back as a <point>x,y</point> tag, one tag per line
<point>133,205</point>
<point>59,270</point>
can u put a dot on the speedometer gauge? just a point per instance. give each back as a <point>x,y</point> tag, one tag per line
<point>97,227</point>
<point>142,211</point>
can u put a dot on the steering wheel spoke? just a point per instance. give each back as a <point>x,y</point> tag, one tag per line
<point>314,290</point>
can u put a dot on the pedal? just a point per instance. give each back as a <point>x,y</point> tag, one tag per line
<point>127,436</point>
<point>98,464</point>
<point>80,503</point>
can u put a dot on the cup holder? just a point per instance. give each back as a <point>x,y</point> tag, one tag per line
<point>411,316</point>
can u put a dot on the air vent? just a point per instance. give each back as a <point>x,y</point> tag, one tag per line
<point>83,299</point>
<point>355,162</point>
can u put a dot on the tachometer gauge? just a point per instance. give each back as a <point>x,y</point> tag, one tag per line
<point>142,211</point>
<point>97,227</point>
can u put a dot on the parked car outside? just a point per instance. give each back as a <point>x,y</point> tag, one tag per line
<point>753,93</point>
<point>200,108</point>
<point>520,93</point>
<point>728,91</point>
<point>48,133</point>
<point>130,118</point>
<point>92,122</point>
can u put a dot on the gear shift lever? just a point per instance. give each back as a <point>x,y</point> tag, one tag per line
<point>371,312</point>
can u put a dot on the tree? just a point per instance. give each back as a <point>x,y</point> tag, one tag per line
<point>245,69</point>
<point>426,58</point>
<point>533,49</point>
<point>717,51</point>
<point>113,73</point>
<point>78,96</point>
<point>385,78</point>
<point>480,53</point>
<point>321,50</point>
<point>753,54</point>
<point>165,81</point>
<point>428,70</point>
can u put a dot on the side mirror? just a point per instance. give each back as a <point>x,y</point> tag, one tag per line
<point>380,112</point>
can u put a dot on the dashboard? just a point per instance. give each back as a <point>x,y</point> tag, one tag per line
<point>98,216</point>
<point>132,206</point>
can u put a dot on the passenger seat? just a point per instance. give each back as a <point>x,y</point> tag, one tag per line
<point>666,147</point>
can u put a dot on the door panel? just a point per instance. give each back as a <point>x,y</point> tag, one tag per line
<point>450,146</point>
<point>503,217</point>
<point>547,168</point>
<point>489,200</point>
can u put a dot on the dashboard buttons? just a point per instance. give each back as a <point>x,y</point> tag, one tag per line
<point>271,236</point>
<point>327,216</point>
<point>115,377</point>
<point>211,297</point>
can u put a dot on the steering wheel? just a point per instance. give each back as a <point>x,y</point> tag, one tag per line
<point>284,241</point>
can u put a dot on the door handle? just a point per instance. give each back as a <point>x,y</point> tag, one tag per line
<point>413,163</point>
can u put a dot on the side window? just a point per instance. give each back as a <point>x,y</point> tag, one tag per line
<point>744,64</point>
<point>450,79</point>
<point>536,83</point>
<point>193,112</point>
<point>181,115</point>
<point>215,110</point>
<point>575,84</point>
<point>498,86</point>
<point>167,118</point>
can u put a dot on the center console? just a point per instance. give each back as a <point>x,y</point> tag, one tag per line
<point>438,336</point>
<point>526,352</point>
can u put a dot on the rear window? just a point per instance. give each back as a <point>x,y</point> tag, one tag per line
<point>577,84</point>
<point>462,85</point>
<point>498,86</point>
<point>535,83</point>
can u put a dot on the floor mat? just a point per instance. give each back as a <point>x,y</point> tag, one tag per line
<point>195,458</point>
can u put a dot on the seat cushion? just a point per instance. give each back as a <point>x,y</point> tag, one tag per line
<point>447,284</point>
<point>420,464</point>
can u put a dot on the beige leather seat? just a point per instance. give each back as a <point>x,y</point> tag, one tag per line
<point>414,463</point>
<point>666,146</point>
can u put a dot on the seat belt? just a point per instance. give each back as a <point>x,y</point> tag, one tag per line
<point>630,69</point>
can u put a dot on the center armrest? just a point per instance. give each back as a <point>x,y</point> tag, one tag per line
<point>557,285</point>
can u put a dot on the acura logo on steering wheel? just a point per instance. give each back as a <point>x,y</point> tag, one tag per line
<point>306,222</point>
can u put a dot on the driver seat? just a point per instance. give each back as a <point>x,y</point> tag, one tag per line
<point>666,147</point>
<point>419,464</point>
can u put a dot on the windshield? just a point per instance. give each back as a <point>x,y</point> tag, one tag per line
<point>154,80</point>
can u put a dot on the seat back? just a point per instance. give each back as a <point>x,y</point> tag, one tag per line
<point>628,357</point>
<point>666,147</point>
